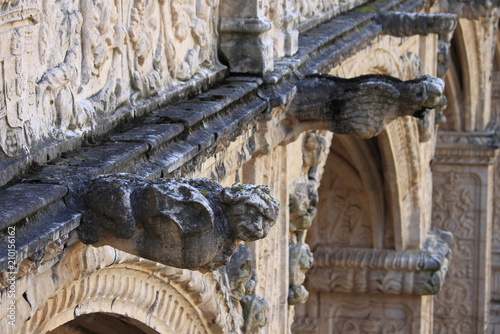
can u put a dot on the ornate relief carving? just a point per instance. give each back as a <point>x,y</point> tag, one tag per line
<point>255,309</point>
<point>315,10</point>
<point>186,223</point>
<point>239,271</point>
<point>371,317</point>
<point>350,269</point>
<point>454,209</point>
<point>242,282</point>
<point>70,65</point>
<point>302,206</point>
<point>176,300</point>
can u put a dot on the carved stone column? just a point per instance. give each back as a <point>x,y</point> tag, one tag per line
<point>462,205</point>
<point>244,41</point>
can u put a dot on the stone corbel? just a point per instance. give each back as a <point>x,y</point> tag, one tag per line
<point>185,223</point>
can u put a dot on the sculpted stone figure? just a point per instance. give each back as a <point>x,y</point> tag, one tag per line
<point>255,309</point>
<point>239,271</point>
<point>301,260</point>
<point>186,223</point>
<point>361,106</point>
<point>242,282</point>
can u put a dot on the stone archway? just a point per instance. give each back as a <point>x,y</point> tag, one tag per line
<point>113,287</point>
<point>102,323</point>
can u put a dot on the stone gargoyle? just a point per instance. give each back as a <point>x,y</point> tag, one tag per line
<point>186,223</point>
<point>360,106</point>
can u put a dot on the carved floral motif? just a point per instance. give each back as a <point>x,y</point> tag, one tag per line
<point>454,200</point>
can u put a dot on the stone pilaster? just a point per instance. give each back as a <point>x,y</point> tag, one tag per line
<point>462,205</point>
<point>244,41</point>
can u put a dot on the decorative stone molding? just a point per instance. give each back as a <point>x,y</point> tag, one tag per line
<point>466,147</point>
<point>361,270</point>
<point>185,223</point>
<point>92,280</point>
<point>474,9</point>
<point>401,24</point>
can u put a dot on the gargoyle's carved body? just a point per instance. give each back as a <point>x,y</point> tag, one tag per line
<point>361,106</point>
<point>185,223</point>
<point>402,24</point>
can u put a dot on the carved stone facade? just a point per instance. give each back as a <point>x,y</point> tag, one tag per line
<point>249,166</point>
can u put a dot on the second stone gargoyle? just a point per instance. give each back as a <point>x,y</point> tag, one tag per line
<point>186,223</point>
<point>361,106</point>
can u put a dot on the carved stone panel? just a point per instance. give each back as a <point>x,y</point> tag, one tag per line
<point>71,67</point>
<point>456,201</point>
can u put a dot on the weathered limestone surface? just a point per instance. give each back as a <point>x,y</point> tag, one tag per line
<point>185,223</point>
<point>116,87</point>
<point>465,184</point>
<point>463,203</point>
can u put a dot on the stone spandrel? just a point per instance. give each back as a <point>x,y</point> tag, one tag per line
<point>185,223</point>
<point>72,67</point>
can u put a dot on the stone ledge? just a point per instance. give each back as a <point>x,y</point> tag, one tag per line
<point>165,142</point>
<point>36,231</point>
<point>468,148</point>
<point>359,270</point>
<point>23,200</point>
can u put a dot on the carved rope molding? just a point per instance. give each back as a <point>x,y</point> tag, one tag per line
<point>359,270</point>
<point>185,223</point>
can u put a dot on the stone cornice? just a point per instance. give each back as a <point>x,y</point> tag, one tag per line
<point>359,270</point>
<point>468,148</point>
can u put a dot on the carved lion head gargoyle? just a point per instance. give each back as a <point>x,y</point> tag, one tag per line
<point>186,223</point>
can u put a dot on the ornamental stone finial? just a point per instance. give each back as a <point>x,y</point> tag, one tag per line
<point>185,223</point>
